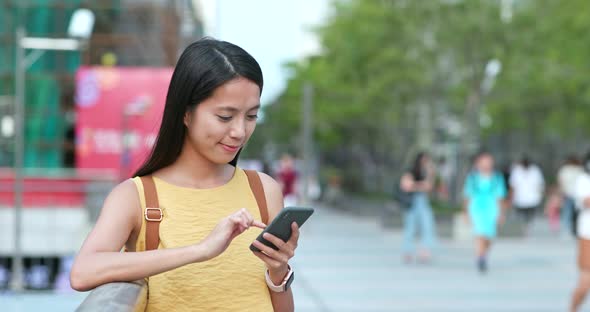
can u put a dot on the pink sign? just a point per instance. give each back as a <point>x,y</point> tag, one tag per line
<point>119,111</point>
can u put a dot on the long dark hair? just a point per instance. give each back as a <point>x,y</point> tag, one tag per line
<point>203,66</point>
<point>418,170</point>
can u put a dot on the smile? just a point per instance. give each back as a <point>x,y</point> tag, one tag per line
<point>230,148</point>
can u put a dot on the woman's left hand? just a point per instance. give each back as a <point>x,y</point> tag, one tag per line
<point>277,260</point>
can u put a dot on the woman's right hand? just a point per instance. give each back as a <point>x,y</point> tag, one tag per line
<point>226,230</point>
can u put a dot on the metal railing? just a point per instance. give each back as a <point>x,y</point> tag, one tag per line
<point>118,297</point>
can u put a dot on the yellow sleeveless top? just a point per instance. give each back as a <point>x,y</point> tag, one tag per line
<point>233,281</point>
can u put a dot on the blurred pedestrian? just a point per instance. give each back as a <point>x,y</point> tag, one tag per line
<point>419,181</point>
<point>484,190</point>
<point>582,202</point>
<point>552,207</point>
<point>185,219</point>
<point>287,177</point>
<point>445,171</point>
<point>527,183</point>
<point>566,178</point>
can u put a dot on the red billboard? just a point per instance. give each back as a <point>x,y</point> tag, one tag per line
<point>118,114</point>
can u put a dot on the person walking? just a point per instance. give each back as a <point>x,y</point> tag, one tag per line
<point>567,176</point>
<point>527,183</point>
<point>288,177</point>
<point>483,191</point>
<point>582,202</point>
<point>419,181</point>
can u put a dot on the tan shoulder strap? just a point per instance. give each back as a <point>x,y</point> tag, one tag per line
<point>258,190</point>
<point>153,214</point>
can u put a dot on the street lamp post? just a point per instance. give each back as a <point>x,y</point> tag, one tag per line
<point>80,27</point>
<point>307,139</point>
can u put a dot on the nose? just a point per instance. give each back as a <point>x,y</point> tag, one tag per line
<point>238,130</point>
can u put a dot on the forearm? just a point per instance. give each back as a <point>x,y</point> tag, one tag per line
<point>282,302</point>
<point>466,205</point>
<point>94,269</point>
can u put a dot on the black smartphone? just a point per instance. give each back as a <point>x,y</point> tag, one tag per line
<point>281,225</point>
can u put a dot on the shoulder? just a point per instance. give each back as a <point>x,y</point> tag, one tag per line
<point>125,195</point>
<point>127,190</point>
<point>273,194</point>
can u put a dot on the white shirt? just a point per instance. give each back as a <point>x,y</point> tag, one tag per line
<point>567,176</point>
<point>583,192</point>
<point>528,185</point>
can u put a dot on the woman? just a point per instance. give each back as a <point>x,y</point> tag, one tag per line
<point>202,261</point>
<point>418,181</point>
<point>582,199</point>
<point>484,190</point>
<point>287,178</point>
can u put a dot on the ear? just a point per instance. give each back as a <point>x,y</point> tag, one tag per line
<point>187,118</point>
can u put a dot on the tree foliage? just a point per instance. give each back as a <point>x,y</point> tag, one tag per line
<point>385,63</point>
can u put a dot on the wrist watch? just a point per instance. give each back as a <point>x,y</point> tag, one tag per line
<point>284,286</point>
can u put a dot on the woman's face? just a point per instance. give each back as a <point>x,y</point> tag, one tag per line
<point>223,123</point>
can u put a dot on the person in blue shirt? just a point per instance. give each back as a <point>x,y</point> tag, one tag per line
<point>484,190</point>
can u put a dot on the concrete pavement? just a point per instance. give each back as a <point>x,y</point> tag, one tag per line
<point>349,264</point>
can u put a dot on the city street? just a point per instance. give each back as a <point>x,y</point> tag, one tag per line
<point>348,263</point>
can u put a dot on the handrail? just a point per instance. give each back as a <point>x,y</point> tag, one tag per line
<point>116,296</point>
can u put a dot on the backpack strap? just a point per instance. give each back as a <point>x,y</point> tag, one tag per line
<point>258,190</point>
<point>153,214</point>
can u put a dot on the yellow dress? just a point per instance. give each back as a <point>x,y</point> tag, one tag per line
<point>233,281</point>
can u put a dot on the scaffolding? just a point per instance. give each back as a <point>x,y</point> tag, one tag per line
<point>126,33</point>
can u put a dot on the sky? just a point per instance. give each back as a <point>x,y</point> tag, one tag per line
<point>274,32</point>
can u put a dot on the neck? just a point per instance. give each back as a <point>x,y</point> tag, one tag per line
<point>194,170</point>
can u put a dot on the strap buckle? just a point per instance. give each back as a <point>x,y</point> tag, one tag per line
<point>158,219</point>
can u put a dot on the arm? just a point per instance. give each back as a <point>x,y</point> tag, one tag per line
<point>501,194</point>
<point>583,191</point>
<point>100,260</point>
<point>277,261</point>
<point>467,194</point>
<point>407,183</point>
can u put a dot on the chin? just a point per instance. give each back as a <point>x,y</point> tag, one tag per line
<point>222,159</point>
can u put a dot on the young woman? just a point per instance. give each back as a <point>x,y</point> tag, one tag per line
<point>419,181</point>
<point>202,261</point>
<point>582,199</point>
<point>484,190</point>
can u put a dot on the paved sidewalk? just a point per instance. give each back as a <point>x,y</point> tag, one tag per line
<point>349,264</point>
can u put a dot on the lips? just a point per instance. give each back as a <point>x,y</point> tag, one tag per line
<point>230,148</point>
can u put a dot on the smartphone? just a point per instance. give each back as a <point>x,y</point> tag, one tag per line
<point>281,225</point>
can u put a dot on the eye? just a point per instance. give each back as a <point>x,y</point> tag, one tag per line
<point>252,117</point>
<point>224,118</point>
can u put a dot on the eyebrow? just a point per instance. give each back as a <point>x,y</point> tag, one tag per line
<point>233,109</point>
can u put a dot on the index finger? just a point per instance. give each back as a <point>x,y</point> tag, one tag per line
<point>258,224</point>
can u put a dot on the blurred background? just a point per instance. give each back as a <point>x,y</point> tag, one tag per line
<point>354,90</point>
